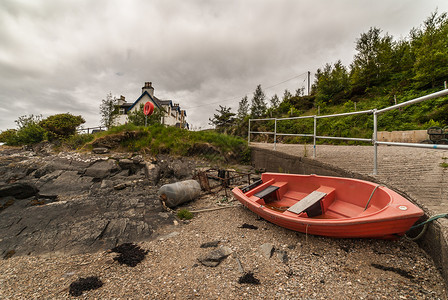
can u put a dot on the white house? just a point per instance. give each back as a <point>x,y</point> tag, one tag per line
<point>173,115</point>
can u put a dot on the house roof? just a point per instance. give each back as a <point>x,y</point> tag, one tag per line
<point>154,100</point>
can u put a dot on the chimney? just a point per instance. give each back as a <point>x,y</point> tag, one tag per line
<point>148,87</point>
<point>121,100</point>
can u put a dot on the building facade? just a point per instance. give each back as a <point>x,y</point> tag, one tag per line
<point>172,114</point>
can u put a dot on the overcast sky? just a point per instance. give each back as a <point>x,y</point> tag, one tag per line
<point>66,55</point>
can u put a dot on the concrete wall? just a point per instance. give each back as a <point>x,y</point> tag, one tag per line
<point>408,136</point>
<point>273,161</point>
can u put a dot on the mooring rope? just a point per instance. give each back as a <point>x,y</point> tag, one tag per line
<point>425,226</point>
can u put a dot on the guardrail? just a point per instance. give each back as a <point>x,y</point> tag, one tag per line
<point>373,140</point>
<point>92,129</point>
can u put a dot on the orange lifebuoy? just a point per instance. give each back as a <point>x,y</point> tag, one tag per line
<point>148,109</point>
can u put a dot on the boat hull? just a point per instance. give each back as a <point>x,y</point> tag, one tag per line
<point>388,222</point>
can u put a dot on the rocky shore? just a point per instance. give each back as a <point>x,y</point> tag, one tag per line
<point>61,214</point>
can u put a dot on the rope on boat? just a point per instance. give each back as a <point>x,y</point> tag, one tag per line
<point>425,226</point>
<point>371,195</point>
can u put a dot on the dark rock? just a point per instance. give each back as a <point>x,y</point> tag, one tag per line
<point>125,163</point>
<point>48,177</point>
<point>5,202</point>
<point>52,197</point>
<point>283,256</point>
<point>132,165</point>
<point>214,258</point>
<point>100,150</point>
<point>213,244</point>
<point>67,183</point>
<point>102,169</point>
<point>18,190</point>
<point>106,184</point>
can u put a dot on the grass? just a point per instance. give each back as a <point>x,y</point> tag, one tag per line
<point>158,139</point>
<point>184,214</point>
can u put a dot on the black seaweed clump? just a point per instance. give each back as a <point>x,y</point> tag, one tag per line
<point>84,284</point>
<point>130,254</point>
<point>248,226</point>
<point>248,278</point>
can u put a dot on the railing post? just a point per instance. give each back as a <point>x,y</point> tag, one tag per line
<point>275,133</point>
<point>375,145</point>
<point>314,137</point>
<point>248,134</point>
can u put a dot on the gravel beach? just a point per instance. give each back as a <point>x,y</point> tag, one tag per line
<point>301,266</point>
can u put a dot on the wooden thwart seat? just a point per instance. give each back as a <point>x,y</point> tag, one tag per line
<point>310,204</point>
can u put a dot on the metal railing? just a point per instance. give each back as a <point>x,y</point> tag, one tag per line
<point>92,129</point>
<point>373,140</point>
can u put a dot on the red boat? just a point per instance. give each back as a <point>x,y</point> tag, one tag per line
<point>329,206</point>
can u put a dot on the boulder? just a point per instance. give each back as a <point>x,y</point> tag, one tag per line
<point>267,250</point>
<point>102,169</point>
<point>214,258</point>
<point>67,183</point>
<point>100,150</point>
<point>18,190</point>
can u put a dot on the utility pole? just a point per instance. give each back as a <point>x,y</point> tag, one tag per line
<point>309,73</point>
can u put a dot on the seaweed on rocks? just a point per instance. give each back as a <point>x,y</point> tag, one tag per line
<point>84,284</point>
<point>248,226</point>
<point>249,278</point>
<point>130,254</point>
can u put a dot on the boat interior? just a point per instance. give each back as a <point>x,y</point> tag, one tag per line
<point>311,196</point>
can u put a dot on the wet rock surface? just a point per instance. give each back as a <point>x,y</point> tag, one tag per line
<point>74,203</point>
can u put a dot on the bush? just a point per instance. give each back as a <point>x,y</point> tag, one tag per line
<point>78,140</point>
<point>9,137</point>
<point>30,134</point>
<point>61,125</point>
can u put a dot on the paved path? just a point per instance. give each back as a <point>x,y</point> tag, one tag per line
<point>417,172</point>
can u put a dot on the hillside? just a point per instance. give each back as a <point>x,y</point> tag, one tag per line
<point>384,71</point>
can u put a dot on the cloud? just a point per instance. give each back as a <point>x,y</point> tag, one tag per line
<point>65,56</point>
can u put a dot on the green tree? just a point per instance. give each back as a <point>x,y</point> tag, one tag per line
<point>286,95</point>
<point>331,83</point>
<point>258,107</point>
<point>29,131</point>
<point>223,120</point>
<point>430,45</point>
<point>137,117</point>
<point>275,102</point>
<point>109,110</point>
<point>61,125</point>
<point>372,62</point>
<point>243,108</point>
